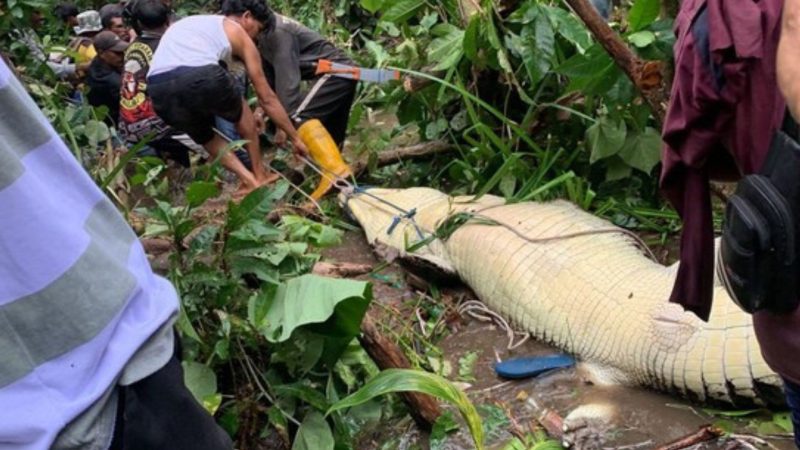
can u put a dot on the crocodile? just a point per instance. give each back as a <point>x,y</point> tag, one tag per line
<point>576,281</point>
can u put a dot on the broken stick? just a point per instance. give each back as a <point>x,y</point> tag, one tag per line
<point>387,355</point>
<point>704,434</point>
<point>398,154</point>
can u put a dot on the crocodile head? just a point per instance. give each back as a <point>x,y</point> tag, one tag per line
<point>406,219</point>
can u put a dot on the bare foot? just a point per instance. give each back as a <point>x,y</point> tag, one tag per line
<point>268,178</point>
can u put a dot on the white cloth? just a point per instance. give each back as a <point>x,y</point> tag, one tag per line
<point>192,42</point>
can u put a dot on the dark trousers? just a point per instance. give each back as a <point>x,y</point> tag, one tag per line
<point>159,412</point>
<point>331,105</point>
<point>793,401</point>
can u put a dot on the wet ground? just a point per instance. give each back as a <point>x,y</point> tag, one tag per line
<point>643,419</point>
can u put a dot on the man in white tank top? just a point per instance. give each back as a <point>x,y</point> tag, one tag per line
<point>189,87</point>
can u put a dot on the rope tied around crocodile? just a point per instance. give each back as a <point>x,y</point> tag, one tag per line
<point>458,219</point>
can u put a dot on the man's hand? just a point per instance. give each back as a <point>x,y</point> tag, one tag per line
<point>280,138</point>
<point>300,149</point>
<point>258,115</point>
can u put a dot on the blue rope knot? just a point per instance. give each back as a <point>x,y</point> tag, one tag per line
<point>396,220</point>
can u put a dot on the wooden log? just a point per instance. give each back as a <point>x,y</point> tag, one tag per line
<point>647,76</point>
<point>388,355</point>
<point>340,270</point>
<point>398,154</point>
<point>704,434</point>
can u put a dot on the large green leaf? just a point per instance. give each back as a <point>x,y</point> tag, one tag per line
<point>200,191</point>
<point>202,383</point>
<point>642,39</point>
<point>642,150</point>
<point>314,434</point>
<point>569,27</point>
<point>643,13</point>
<point>605,138</point>
<point>398,11</point>
<point>255,205</point>
<point>592,73</point>
<point>338,305</point>
<point>405,380</point>
<point>448,47</point>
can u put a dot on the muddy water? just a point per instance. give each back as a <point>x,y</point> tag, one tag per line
<point>642,419</point>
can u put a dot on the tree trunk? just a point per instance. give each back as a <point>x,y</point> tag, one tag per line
<point>647,76</point>
<point>387,355</point>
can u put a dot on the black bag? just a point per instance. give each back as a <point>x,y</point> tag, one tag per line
<point>758,255</point>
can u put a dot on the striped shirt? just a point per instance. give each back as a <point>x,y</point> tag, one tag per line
<point>80,308</point>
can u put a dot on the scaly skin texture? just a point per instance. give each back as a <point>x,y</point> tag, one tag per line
<point>596,296</point>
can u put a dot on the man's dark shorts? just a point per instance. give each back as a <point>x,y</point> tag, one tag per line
<point>160,413</point>
<point>793,401</point>
<point>188,98</point>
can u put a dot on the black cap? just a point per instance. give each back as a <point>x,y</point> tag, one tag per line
<point>107,40</point>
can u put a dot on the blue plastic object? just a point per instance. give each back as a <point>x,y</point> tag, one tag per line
<point>532,366</point>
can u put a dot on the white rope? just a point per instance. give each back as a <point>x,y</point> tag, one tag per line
<point>478,310</point>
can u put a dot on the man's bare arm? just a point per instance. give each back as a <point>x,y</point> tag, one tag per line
<point>244,48</point>
<point>788,61</point>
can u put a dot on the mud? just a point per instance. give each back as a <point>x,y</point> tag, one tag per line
<point>643,419</point>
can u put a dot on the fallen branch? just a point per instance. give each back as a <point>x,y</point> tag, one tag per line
<point>340,270</point>
<point>704,434</point>
<point>413,84</point>
<point>387,355</point>
<point>647,76</point>
<point>399,154</point>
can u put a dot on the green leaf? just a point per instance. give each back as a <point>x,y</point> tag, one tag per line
<point>472,37</point>
<point>337,304</point>
<point>405,380</point>
<point>617,169</point>
<point>642,151</point>
<point>447,48</point>
<point>371,5</point>
<point>466,366</point>
<point>200,191</point>
<point>314,434</point>
<point>605,139</point>
<point>96,131</point>
<point>784,421</point>
<point>570,28</point>
<point>255,205</point>
<point>593,73</point>
<point>643,13</point>
<point>443,426</point>
<point>642,39</point>
<point>303,391</point>
<point>202,383</point>
<point>401,10</point>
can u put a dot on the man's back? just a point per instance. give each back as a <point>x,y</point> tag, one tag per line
<point>78,299</point>
<point>137,116</point>
<point>310,45</point>
<point>104,84</point>
<point>192,42</point>
<point>289,53</point>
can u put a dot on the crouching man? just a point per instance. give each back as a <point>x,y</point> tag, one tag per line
<point>189,87</point>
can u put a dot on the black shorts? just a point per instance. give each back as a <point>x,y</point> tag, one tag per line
<point>188,98</point>
<point>160,413</point>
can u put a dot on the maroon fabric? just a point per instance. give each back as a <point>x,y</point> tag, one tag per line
<point>724,102</point>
